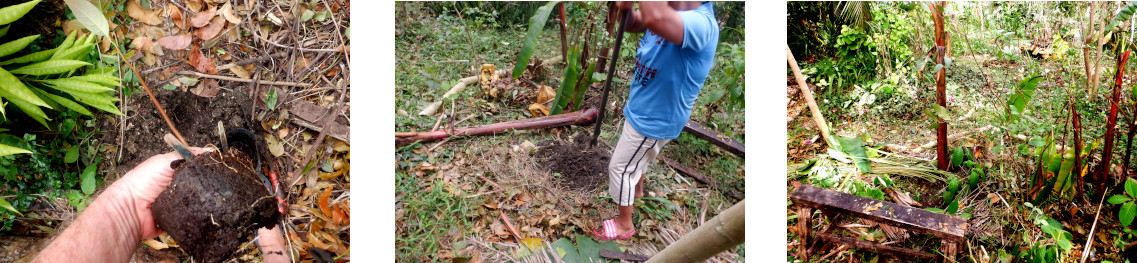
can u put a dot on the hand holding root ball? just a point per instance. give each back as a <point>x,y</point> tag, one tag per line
<point>111,227</point>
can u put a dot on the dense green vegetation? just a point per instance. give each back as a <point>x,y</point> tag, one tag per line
<point>1030,152</point>
<point>52,82</point>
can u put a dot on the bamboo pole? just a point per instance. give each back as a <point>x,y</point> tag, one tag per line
<point>805,92</point>
<point>722,232</point>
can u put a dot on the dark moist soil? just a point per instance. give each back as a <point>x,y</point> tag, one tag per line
<point>215,203</point>
<point>195,117</point>
<point>581,167</point>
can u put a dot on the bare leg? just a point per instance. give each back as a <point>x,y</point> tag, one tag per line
<point>640,186</point>
<point>624,220</point>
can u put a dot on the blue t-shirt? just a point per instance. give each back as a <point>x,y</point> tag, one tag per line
<point>668,77</point>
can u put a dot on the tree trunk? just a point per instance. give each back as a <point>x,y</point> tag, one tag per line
<point>722,232</point>
<point>941,85</point>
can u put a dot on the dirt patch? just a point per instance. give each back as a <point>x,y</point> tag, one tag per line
<point>195,117</point>
<point>214,204</point>
<point>581,167</point>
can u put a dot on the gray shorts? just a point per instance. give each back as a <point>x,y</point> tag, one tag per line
<point>631,157</point>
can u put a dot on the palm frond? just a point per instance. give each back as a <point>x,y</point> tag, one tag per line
<point>854,13</point>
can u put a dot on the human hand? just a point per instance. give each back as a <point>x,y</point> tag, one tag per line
<point>141,185</point>
<point>272,245</point>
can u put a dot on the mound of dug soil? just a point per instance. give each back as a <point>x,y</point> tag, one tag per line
<point>581,167</point>
<point>215,203</point>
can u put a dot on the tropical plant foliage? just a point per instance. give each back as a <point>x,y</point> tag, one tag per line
<point>58,78</point>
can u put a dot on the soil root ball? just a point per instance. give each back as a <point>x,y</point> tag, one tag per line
<point>214,204</point>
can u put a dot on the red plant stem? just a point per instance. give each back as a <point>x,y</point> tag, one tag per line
<point>572,118</point>
<point>941,76</point>
<point>564,42</point>
<point>1074,119</point>
<point>152,99</point>
<point>1111,123</point>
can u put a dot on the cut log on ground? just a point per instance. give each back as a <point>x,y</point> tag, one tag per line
<point>722,232</point>
<point>716,138</point>
<point>583,117</point>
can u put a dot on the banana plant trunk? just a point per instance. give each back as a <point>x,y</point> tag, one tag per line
<point>941,76</point>
<point>1111,125</point>
<point>583,117</point>
<point>722,232</point>
<point>1076,121</point>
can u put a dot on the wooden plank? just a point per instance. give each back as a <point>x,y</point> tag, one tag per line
<point>622,256</point>
<point>942,226</point>
<point>716,138</point>
<point>900,252</point>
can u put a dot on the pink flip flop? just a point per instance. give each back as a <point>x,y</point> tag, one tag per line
<point>610,232</point>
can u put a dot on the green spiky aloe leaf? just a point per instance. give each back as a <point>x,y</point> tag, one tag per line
<point>50,67</point>
<point>14,89</point>
<point>73,52</point>
<point>536,25</point>
<point>16,45</point>
<point>106,80</point>
<point>12,13</point>
<point>3,151</point>
<point>66,103</point>
<point>75,85</point>
<point>29,58</point>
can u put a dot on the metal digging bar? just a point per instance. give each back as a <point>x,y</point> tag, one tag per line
<point>611,72</point>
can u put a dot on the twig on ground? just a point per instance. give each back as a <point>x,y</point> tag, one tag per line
<point>491,182</point>
<point>508,225</point>
<point>276,83</point>
<point>1090,240</point>
<point>146,87</point>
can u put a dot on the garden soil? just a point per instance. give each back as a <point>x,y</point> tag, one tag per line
<point>581,167</point>
<point>194,116</point>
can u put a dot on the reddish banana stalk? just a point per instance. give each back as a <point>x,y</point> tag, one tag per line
<point>1111,123</point>
<point>583,117</point>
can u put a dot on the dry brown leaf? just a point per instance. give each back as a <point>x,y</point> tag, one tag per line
<point>146,16</point>
<point>178,42</point>
<point>206,88</point>
<point>227,12</point>
<point>157,245</point>
<point>175,14</point>
<point>338,216</point>
<point>323,201</point>
<point>545,94</point>
<point>274,146</point>
<point>211,31</point>
<point>194,5</point>
<point>538,110</point>
<point>200,62</point>
<point>203,18</point>
<point>72,25</point>
<point>142,44</point>
<point>333,72</point>
<point>240,72</point>
<point>149,58</point>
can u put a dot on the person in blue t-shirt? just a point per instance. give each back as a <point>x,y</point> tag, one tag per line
<point>672,62</point>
